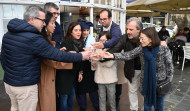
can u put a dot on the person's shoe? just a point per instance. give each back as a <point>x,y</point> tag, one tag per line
<point>97,108</point>
<point>142,109</point>
<point>117,108</point>
<point>82,109</point>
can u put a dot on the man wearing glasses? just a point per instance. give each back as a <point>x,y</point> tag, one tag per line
<point>108,25</point>
<point>23,47</point>
<point>58,33</point>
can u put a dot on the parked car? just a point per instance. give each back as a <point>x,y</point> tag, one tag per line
<point>171,29</point>
<point>146,25</point>
<point>174,28</point>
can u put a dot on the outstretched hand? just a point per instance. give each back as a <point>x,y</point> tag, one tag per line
<point>88,49</point>
<point>106,55</point>
<point>95,56</point>
<point>98,45</point>
<point>163,43</point>
<point>63,49</point>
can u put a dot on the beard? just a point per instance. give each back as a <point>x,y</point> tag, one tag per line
<point>135,36</point>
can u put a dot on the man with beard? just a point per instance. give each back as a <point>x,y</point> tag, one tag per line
<point>132,67</point>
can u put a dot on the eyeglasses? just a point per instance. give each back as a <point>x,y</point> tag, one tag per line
<point>102,41</point>
<point>142,38</point>
<point>104,19</point>
<point>43,20</point>
<point>54,13</point>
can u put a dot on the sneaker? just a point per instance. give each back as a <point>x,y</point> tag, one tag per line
<point>118,108</point>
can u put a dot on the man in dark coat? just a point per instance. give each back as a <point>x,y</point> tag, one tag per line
<point>132,67</point>
<point>58,33</point>
<point>163,33</point>
<point>23,47</point>
<point>187,33</point>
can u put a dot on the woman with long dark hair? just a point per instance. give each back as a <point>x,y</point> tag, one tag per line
<point>46,87</point>
<point>66,79</point>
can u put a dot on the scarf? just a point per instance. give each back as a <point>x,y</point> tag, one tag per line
<point>78,44</point>
<point>149,83</point>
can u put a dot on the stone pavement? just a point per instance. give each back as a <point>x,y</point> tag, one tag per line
<point>177,100</point>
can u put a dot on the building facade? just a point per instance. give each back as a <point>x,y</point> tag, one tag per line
<point>86,9</point>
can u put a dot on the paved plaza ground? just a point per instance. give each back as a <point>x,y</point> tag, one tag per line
<point>177,100</point>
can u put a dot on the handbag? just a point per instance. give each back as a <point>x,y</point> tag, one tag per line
<point>163,88</point>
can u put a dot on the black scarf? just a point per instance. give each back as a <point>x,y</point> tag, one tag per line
<point>78,44</point>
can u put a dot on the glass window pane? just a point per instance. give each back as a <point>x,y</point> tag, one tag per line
<point>116,17</point>
<point>75,0</point>
<point>109,2</point>
<point>20,11</point>
<point>103,2</point>
<point>5,22</point>
<point>7,9</point>
<point>84,0</point>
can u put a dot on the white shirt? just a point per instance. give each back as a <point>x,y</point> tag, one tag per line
<point>107,29</point>
<point>90,41</point>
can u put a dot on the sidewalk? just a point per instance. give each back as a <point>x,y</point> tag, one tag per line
<point>178,100</point>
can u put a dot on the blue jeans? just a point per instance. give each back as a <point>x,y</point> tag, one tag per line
<point>81,99</point>
<point>159,104</point>
<point>66,101</point>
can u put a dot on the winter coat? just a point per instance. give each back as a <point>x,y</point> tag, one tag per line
<point>115,32</point>
<point>66,79</point>
<point>46,87</point>
<point>164,64</point>
<point>106,72</point>
<point>23,48</point>
<point>130,65</point>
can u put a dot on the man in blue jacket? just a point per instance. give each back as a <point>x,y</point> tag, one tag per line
<point>115,31</point>
<point>58,33</point>
<point>108,25</point>
<point>23,47</point>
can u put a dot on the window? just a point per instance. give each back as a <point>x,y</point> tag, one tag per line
<point>10,12</point>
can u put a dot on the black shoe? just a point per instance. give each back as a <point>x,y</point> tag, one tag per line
<point>82,109</point>
<point>117,108</point>
<point>97,108</point>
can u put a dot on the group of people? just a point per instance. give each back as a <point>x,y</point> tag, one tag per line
<point>41,66</point>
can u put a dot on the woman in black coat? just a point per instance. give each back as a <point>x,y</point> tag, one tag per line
<point>66,79</point>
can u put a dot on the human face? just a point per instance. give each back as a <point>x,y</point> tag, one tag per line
<point>132,31</point>
<point>55,13</point>
<point>103,39</point>
<point>104,20</point>
<point>85,33</point>
<point>145,41</point>
<point>76,32</point>
<point>186,32</point>
<point>38,22</point>
<point>51,26</point>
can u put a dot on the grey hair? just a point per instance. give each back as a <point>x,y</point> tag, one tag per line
<point>49,5</point>
<point>32,11</point>
<point>138,21</point>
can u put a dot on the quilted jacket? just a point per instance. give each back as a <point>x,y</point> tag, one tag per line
<point>23,47</point>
